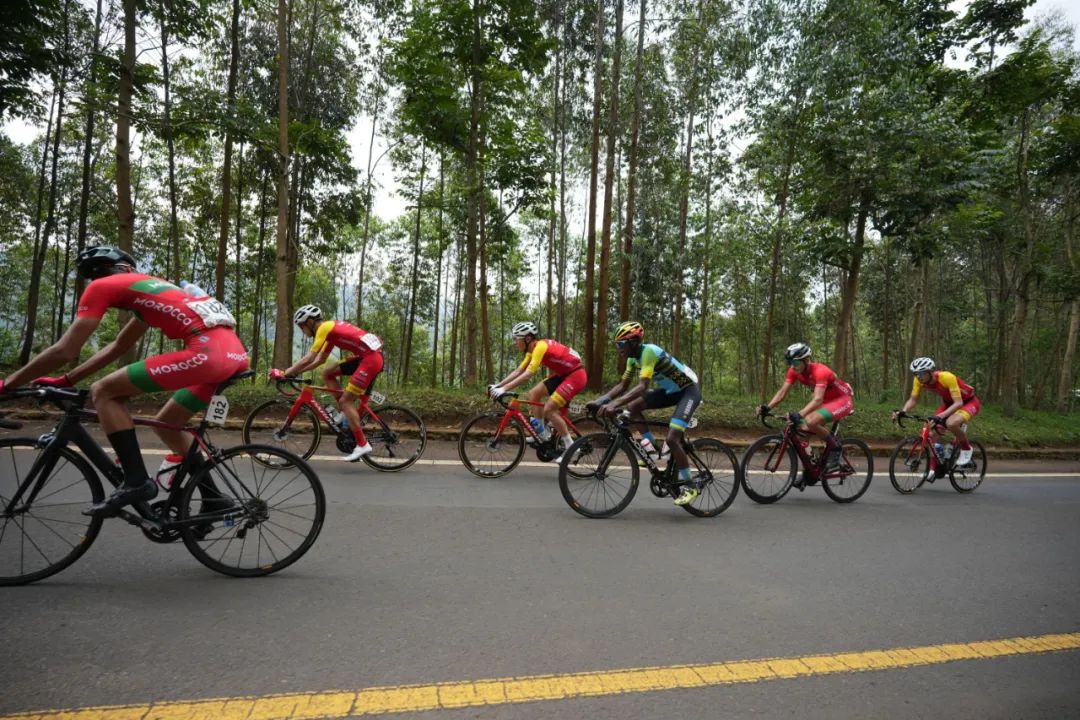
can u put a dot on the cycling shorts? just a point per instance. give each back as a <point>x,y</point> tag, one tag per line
<point>836,409</point>
<point>686,401</point>
<point>967,411</point>
<point>208,359</point>
<point>362,372</point>
<point>563,388</point>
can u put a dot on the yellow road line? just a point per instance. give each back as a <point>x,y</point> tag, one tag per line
<point>501,691</point>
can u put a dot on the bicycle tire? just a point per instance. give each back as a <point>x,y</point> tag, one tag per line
<point>267,419</point>
<point>397,442</point>
<point>477,438</point>
<point>965,483</point>
<point>77,533</point>
<point>587,425</point>
<point>243,481</point>
<point>579,488</point>
<point>762,484</point>
<point>720,489</point>
<point>856,457</point>
<point>915,460</point>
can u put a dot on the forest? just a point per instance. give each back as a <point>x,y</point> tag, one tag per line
<point>878,178</point>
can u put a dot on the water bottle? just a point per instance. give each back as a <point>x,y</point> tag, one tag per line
<point>537,425</point>
<point>166,472</point>
<point>939,450</point>
<point>948,451</point>
<point>343,421</point>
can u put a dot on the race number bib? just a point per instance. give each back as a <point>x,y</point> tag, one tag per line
<point>212,313</point>
<point>217,410</point>
<point>371,341</point>
<point>377,398</point>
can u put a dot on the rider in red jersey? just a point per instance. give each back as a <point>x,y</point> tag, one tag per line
<point>363,367</point>
<point>212,353</point>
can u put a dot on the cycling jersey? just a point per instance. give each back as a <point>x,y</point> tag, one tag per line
<point>946,385</point>
<point>821,375</point>
<point>656,364</point>
<point>556,357</point>
<point>208,359</point>
<point>340,334</point>
<point>156,302</point>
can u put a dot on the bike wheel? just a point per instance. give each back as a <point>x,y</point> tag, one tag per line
<point>909,465</point>
<point>767,474</point>
<point>397,438</point>
<point>605,475</point>
<point>856,471</point>
<point>716,470</point>
<point>587,425</point>
<point>967,478</point>
<point>485,452</point>
<point>43,537</point>
<point>265,425</point>
<point>270,512</point>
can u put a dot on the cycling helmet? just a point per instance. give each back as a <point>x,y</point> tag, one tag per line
<point>306,313</point>
<point>524,329</point>
<point>629,330</point>
<point>99,261</point>
<point>922,364</point>
<point>797,351</point>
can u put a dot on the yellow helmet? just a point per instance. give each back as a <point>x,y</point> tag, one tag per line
<point>629,330</point>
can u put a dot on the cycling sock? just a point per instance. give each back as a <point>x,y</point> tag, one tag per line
<point>358,433</point>
<point>649,436</point>
<point>966,446</point>
<point>126,445</point>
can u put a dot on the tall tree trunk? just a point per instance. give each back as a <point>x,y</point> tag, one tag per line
<point>367,223</point>
<point>414,278</point>
<point>283,319</point>
<point>918,311</point>
<point>238,276</point>
<point>596,377</point>
<point>90,98</point>
<point>707,257</point>
<point>594,171</point>
<point>850,291</point>
<point>124,209</point>
<point>474,188</point>
<point>174,224</point>
<point>1068,367</point>
<point>549,325</point>
<point>257,310</point>
<point>451,375</point>
<point>226,165</point>
<point>631,187</point>
<point>560,315</point>
<point>485,327</point>
<point>438,275</point>
<point>1012,371</point>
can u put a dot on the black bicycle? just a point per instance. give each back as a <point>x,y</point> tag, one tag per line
<point>598,474</point>
<point>236,510</point>
<point>771,463</point>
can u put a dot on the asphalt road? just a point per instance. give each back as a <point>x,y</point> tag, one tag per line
<point>433,576</point>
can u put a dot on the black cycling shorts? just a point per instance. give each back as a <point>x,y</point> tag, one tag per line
<point>686,401</point>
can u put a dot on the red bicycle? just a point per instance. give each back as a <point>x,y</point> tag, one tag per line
<point>771,463</point>
<point>916,460</point>
<point>492,443</point>
<point>397,435</point>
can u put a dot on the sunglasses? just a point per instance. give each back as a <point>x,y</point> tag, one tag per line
<point>622,344</point>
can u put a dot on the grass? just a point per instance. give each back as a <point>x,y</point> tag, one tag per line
<point>443,407</point>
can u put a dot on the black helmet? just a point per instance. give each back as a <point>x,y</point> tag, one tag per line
<point>797,351</point>
<point>98,261</point>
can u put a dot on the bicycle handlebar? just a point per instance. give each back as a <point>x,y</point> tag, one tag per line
<point>921,418</point>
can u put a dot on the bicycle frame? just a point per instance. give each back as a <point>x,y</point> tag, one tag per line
<point>70,431</point>
<point>926,443</point>
<point>307,397</point>
<point>815,469</point>
<point>513,410</point>
<point>664,476</point>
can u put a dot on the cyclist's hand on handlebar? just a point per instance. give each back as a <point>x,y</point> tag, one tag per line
<point>495,392</point>
<point>763,410</point>
<point>937,420</point>
<point>794,417</point>
<point>897,414</point>
<point>56,382</point>
<point>276,374</point>
<point>591,408</point>
<point>608,411</point>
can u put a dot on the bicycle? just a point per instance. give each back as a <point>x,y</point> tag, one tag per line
<point>492,443</point>
<point>771,462</point>
<point>921,463</point>
<point>598,475</point>
<point>247,520</point>
<point>396,434</point>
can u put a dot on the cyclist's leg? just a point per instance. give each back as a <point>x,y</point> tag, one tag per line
<point>362,379</point>
<point>537,393</point>
<point>957,423</point>
<point>688,400</point>
<point>820,423</point>
<point>334,371</point>
<point>110,395</point>
<point>565,390</point>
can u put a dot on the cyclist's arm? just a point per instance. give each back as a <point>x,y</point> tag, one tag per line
<point>634,393</point>
<point>60,353</point>
<point>615,391</point>
<point>780,394</point>
<point>515,378</point>
<point>815,402</point>
<point>125,340</point>
<point>311,360</point>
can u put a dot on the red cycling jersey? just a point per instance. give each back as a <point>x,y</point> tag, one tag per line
<point>556,357</point>
<point>156,302</point>
<point>340,334</point>
<point>947,385</point>
<point>818,375</point>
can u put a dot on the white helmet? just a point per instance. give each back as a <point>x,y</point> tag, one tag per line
<point>523,329</point>
<point>797,351</point>
<point>922,364</point>
<point>307,312</point>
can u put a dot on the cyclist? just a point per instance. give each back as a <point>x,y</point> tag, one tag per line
<point>958,402</point>
<point>363,367</point>
<point>677,386</point>
<point>832,399</point>
<point>566,379</point>
<point>212,353</point>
